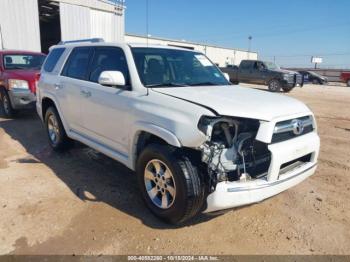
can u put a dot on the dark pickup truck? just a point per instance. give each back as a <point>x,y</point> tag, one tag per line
<point>264,73</point>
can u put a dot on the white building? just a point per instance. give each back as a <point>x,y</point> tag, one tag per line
<point>37,24</point>
<point>219,55</point>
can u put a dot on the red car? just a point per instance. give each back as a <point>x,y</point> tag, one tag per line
<point>19,73</point>
<point>345,76</point>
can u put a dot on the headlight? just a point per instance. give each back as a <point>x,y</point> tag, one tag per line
<point>18,84</point>
<point>226,129</point>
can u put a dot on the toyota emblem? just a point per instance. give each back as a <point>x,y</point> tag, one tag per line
<point>298,126</point>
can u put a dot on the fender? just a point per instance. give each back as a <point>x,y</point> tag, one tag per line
<point>141,126</point>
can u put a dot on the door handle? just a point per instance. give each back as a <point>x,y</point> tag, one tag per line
<point>85,93</point>
<point>58,86</point>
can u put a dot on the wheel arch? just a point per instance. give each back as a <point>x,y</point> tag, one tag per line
<point>48,101</point>
<point>147,133</point>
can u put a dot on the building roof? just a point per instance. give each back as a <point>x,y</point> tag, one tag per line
<point>188,42</point>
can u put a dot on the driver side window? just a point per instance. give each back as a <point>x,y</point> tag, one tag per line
<point>108,59</point>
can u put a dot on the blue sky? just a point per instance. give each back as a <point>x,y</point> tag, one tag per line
<point>290,30</point>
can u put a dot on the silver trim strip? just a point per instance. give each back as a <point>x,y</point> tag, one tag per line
<point>240,189</point>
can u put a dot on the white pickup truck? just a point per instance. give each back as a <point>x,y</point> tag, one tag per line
<point>197,143</point>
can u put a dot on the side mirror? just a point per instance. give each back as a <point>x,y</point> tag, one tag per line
<point>111,78</point>
<point>227,76</point>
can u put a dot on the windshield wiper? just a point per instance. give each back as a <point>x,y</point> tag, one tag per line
<point>205,84</point>
<point>167,85</point>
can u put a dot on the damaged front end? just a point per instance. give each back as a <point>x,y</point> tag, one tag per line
<point>231,152</point>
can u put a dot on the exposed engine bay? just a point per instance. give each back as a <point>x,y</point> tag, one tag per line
<point>231,152</point>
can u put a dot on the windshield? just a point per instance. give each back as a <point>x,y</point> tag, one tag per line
<point>272,66</point>
<point>160,67</point>
<point>25,61</point>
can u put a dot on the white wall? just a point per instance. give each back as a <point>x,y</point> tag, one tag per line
<point>219,55</point>
<point>19,22</point>
<point>79,22</point>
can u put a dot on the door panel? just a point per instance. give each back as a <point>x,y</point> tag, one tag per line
<point>107,116</point>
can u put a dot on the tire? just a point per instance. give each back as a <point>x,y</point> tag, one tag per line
<point>275,85</point>
<point>287,89</point>
<point>348,83</point>
<point>57,135</point>
<point>164,173</point>
<point>6,106</point>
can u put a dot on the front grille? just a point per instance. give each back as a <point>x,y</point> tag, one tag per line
<point>286,130</point>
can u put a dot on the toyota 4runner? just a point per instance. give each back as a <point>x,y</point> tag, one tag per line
<point>197,143</point>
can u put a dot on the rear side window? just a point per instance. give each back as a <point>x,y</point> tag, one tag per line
<point>78,63</point>
<point>108,59</point>
<point>52,59</point>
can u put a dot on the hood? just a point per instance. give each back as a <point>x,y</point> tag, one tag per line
<point>29,75</point>
<point>238,101</point>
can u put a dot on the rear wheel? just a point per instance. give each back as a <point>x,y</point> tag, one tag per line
<point>57,135</point>
<point>274,85</point>
<point>6,106</point>
<point>348,83</point>
<point>170,184</point>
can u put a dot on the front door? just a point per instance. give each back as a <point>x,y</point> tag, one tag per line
<point>106,109</point>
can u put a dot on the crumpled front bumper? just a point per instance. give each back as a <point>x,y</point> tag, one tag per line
<point>239,193</point>
<point>22,99</point>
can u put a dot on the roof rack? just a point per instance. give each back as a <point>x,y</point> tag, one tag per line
<point>89,40</point>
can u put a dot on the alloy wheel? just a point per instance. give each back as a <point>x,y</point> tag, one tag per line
<point>160,184</point>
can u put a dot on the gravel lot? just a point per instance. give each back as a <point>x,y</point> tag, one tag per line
<point>82,202</point>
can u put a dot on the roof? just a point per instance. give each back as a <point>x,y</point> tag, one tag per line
<point>9,51</point>
<point>85,43</point>
<point>189,43</point>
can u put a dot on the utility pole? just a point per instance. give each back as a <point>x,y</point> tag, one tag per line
<point>147,35</point>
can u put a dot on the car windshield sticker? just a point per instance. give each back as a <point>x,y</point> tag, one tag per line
<point>203,60</point>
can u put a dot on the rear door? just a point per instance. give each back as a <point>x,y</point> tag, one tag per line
<point>246,71</point>
<point>69,90</point>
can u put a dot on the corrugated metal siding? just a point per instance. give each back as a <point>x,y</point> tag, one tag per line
<point>108,26</point>
<point>19,22</point>
<point>75,22</point>
<point>78,22</point>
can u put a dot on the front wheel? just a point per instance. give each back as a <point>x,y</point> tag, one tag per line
<point>348,83</point>
<point>274,85</point>
<point>316,82</point>
<point>169,183</point>
<point>287,88</point>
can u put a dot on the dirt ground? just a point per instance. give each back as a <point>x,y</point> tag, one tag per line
<point>82,202</point>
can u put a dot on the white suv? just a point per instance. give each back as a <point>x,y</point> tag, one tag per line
<point>197,143</point>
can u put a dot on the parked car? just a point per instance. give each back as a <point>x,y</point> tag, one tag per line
<point>197,143</point>
<point>345,76</point>
<point>264,73</point>
<point>314,78</point>
<point>19,73</point>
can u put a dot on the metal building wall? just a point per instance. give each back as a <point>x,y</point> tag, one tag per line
<point>220,55</point>
<point>19,22</point>
<point>75,22</point>
<point>78,22</point>
<point>108,26</point>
